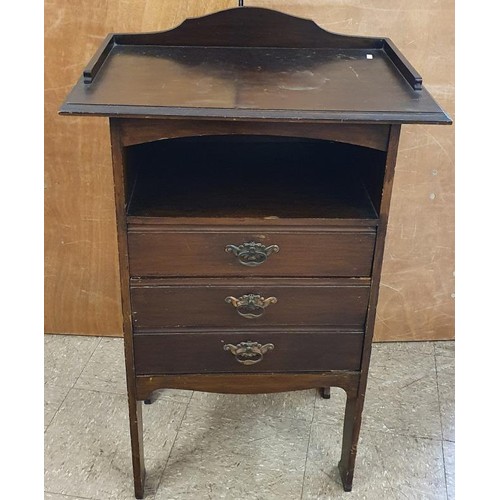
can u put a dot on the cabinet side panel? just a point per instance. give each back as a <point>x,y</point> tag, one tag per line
<point>135,408</point>
<point>385,202</point>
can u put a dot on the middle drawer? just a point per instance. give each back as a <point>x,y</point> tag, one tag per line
<point>160,251</point>
<point>165,304</point>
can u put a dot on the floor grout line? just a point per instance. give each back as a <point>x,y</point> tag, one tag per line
<point>315,411</point>
<point>172,447</point>
<point>307,450</point>
<point>263,416</point>
<point>364,428</point>
<point>66,495</point>
<point>441,422</point>
<point>73,386</point>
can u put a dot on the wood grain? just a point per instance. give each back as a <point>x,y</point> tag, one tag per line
<point>202,253</point>
<point>199,353</point>
<point>82,294</point>
<point>255,383</point>
<point>193,302</point>
<point>82,287</point>
<point>285,83</point>
<point>417,286</point>
<point>137,131</point>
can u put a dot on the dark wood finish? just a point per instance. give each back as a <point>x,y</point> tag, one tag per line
<point>219,133</point>
<point>321,77</point>
<point>98,59</point>
<point>254,28</point>
<point>167,251</point>
<point>256,383</point>
<point>249,224</point>
<point>135,408</point>
<point>407,70</point>
<point>354,405</point>
<point>157,354</point>
<point>350,436</point>
<point>325,392</point>
<point>138,130</point>
<point>184,303</point>
<point>271,178</point>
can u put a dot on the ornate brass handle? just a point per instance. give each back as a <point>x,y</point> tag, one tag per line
<point>248,353</point>
<point>251,253</point>
<point>251,305</point>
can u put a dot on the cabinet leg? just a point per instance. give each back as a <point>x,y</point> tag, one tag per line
<point>152,398</point>
<point>135,411</point>
<point>352,425</point>
<point>325,392</point>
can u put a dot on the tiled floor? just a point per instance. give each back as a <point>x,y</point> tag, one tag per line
<point>282,446</point>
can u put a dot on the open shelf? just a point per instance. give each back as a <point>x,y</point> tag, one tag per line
<point>253,177</point>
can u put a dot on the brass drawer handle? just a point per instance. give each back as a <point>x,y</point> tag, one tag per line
<point>251,253</point>
<point>251,305</point>
<point>248,353</point>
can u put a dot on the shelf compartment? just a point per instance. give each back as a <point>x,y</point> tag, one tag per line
<point>257,177</point>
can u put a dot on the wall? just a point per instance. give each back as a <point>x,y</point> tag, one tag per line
<point>82,296</point>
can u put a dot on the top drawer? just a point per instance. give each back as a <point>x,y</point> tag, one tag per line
<point>164,251</point>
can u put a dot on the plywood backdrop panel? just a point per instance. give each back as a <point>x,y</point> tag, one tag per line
<point>82,296</point>
<point>81,291</point>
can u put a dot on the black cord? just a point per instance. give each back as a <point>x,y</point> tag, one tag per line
<point>240,3</point>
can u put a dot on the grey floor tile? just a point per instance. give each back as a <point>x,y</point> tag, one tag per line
<point>401,396</point>
<point>87,447</point>
<point>53,397</point>
<point>322,479</point>
<point>57,496</point>
<point>233,447</point>
<point>445,348</point>
<point>181,396</point>
<point>105,370</point>
<point>330,410</point>
<point>66,356</point>
<point>387,467</point>
<point>449,467</point>
<point>295,404</point>
<point>246,457</point>
<point>445,364</point>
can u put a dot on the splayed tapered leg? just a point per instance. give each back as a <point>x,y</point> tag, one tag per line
<point>352,425</point>
<point>325,392</point>
<point>135,411</point>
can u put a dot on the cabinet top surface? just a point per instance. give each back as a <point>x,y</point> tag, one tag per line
<point>308,74</point>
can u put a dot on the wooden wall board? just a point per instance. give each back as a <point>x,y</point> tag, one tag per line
<point>82,286</point>
<point>417,286</point>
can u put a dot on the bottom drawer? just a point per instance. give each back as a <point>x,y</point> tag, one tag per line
<point>215,352</point>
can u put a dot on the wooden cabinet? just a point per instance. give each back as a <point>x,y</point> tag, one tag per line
<point>253,158</point>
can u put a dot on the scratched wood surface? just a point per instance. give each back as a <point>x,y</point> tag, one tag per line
<point>82,295</point>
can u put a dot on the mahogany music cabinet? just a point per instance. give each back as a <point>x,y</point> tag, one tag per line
<point>253,158</point>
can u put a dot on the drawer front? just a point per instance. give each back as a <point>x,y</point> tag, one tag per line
<point>254,304</point>
<point>198,253</point>
<point>247,352</point>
